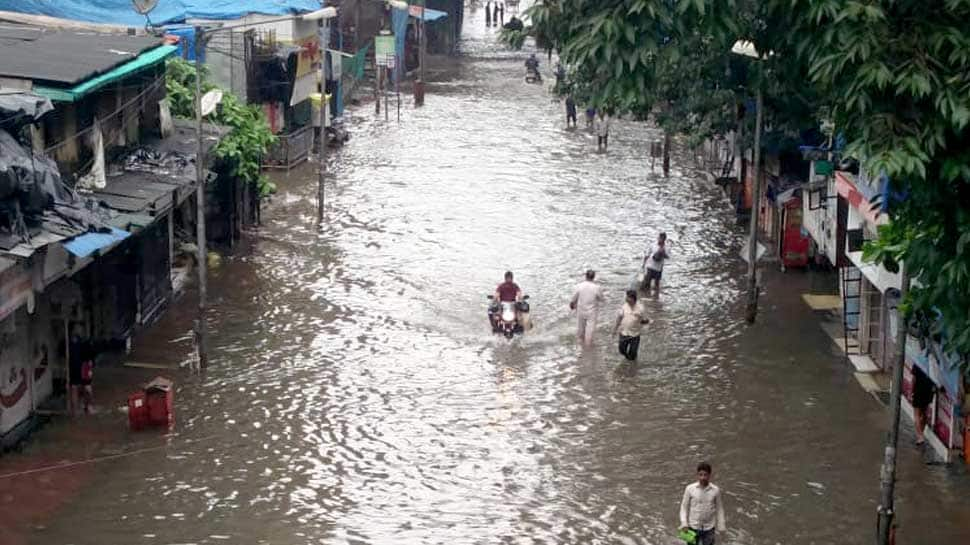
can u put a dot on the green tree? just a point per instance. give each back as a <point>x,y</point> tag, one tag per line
<point>242,150</point>
<point>897,75</point>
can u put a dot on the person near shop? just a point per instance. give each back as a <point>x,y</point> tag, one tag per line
<point>653,263</point>
<point>586,302</point>
<point>702,508</point>
<point>570,111</point>
<point>602,127</point>
<point>80,372</point>
<point>923,392</point>
<point>629,323</point>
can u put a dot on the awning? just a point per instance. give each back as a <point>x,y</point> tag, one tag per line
<point>429,14</point>
<point>89,243</point>
<point>149,58</point>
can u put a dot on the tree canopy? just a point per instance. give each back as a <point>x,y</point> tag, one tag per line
<point>893,76</point>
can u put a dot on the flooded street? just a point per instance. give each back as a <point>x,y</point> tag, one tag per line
<point>356,396</point>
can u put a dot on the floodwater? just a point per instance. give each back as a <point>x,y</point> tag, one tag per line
<point>355,395</point>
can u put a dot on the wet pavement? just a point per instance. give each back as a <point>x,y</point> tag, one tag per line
<point>356,396</point>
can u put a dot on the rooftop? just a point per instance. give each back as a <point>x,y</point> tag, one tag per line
<point>65,58</point>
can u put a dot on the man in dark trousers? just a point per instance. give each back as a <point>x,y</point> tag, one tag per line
<point>501,14</point>
<point>488,14</point>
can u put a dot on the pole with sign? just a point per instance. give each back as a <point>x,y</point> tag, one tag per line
<point>384,55</point>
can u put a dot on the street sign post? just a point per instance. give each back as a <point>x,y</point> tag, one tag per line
<point>745,251</point>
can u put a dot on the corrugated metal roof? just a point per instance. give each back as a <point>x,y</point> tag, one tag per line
<point>91,243</point>
<point>146,59</point>
<point>68,58</point>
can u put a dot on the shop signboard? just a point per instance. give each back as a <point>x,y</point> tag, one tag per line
<point>384,51</point>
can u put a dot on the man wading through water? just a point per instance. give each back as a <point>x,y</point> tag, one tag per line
<point>629,322</point>
<point>653,263</point>
<point>586,302</point>
<point>702,509</point>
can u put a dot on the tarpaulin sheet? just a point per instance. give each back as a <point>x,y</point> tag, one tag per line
<point>90,243</point>
<point>399,25</point>
<point>430,15</point>
<point>121,12</point>
<point>22,106</point>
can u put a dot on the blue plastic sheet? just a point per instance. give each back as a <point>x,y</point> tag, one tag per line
<point>399,26</point>
<point>121,12</point>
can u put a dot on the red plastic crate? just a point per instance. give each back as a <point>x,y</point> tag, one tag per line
<point>137,411</point>
<point>160,400</point>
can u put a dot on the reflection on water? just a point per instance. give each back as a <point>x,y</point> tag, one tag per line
<point>355,395</point>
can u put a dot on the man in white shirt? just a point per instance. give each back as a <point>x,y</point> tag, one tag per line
<point>629,322</point>
<point>653,263</point>
<point>602,126</point>
<point>702,509</point>
<point>586,301</point>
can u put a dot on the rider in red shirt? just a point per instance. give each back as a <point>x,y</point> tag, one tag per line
<point>508,291</point>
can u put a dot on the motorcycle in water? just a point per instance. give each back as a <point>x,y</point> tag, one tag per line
<point>509,317</point>
<point>532,75</point>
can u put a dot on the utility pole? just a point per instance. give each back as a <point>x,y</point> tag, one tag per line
<point>422,51</point>
<point>887,475</point>
<point>200,326</point>
<point>323,37</point>
<point>752,308</point>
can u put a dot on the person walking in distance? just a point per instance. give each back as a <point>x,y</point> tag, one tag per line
<point>570,112</point>
<point>501,14</point>
<point>488,14</point>
<point>602,127</point>
<point>629,322</point>
<point>653,263</point>
<point>586,301</point>
<point>590,117</point>
<point>702,508</point>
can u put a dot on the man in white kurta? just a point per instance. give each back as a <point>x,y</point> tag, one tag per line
<point>586,302</point>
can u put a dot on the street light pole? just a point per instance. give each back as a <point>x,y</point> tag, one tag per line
<point>422,52</point>
<point>887,475</point>
<point>752,308</point>
<point>200,326</point>
<point>323,28</point>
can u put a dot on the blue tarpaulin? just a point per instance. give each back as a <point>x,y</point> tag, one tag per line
<point>399,25</point>
<point>89,243</point>
<point>121,12</point>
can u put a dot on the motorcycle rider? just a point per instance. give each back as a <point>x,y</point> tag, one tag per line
<point>506,292</point>
<point>532,65</point>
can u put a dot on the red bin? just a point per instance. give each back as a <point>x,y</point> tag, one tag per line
<point>159,398</point>
<point>137,411</point>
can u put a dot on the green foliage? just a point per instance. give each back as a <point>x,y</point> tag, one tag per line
<point>893,75</point>
<point>897,77</point>
<point>243,148</point>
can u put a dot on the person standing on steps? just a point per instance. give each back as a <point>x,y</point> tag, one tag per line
<point>923,392</point>
<point>653,263</point>
<point>586,302</point>
<point>629,322</point>
<point>702,508</point>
